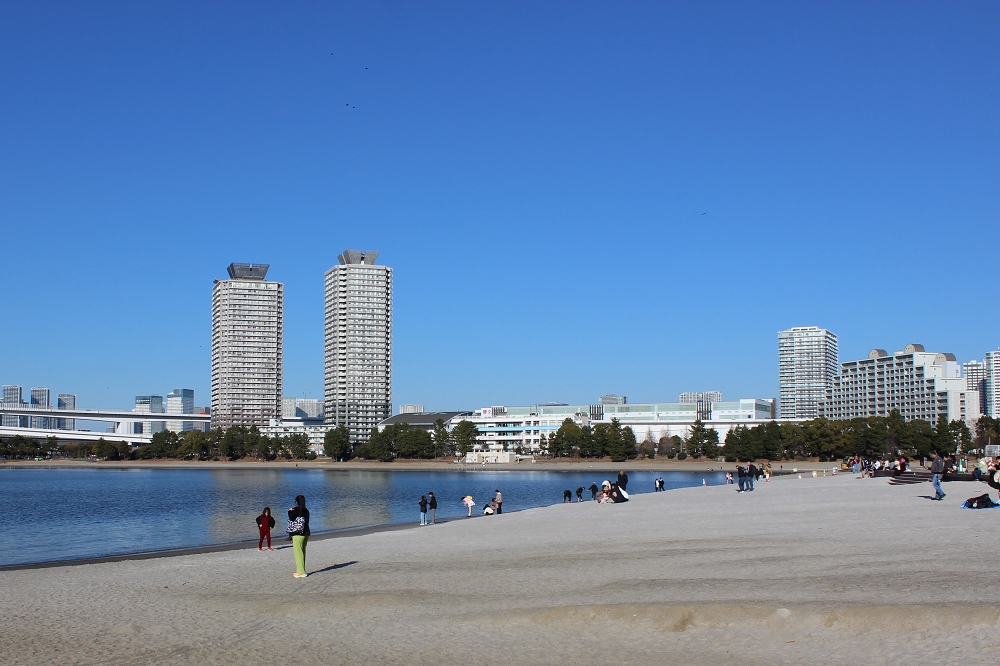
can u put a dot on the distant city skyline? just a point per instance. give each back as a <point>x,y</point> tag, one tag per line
<point>547,190</point>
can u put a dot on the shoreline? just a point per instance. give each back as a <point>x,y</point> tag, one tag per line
<point>438,465</point>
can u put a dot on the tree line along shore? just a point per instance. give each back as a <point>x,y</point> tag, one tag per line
<point>820,439</point>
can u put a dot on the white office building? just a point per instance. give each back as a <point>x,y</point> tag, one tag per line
<point>358,344</point>
<point>66,401</point>
<point>807,364</point>
<point>411,409</point>
<point>703,400</point>
<point>503,428</point>
<point>916,383</point>
<point>180,401</point>
<point>748,409</point>
<point>302,408</point>
<point>41,399</point>
<point>145,404</point>
<point>992,384</point>
<point>247,347</point>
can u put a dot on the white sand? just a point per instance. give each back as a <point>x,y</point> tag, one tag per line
<point>813,571</point>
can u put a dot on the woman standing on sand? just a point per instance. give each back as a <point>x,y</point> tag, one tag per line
<point>298,527</point>
<point>467,501</point>
<point>265,522</point>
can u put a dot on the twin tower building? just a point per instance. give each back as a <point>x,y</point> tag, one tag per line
<point>247,346</point>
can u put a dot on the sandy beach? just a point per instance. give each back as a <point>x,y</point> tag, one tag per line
<point>828,570</point>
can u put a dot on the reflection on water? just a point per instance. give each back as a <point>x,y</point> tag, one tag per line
<point>78,513</point>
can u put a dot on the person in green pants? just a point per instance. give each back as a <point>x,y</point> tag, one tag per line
<point>300,537</point>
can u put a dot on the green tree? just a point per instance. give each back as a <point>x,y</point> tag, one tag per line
<point>443,443</point>
<point>464,435</point>
<point>963,436</point>
<point>298,445</point>
<point>105,449</point>
<point>565,440</point>
<point>337,443</point>
<point>701,440</point>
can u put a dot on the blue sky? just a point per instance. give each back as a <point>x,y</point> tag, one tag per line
<point>576,198</point>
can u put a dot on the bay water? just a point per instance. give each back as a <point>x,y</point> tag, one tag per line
<point>67,514</point>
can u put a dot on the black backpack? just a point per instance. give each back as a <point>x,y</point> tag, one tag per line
<point>981,502</point>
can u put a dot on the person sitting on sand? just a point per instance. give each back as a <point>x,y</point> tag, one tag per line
<point>618,495</point>
<point>567,496</point>
<point>489,509</point>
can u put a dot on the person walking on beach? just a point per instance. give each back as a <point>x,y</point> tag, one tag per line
<point>499,500</point>
<point>623,480</point>
<point>423,509</point>
<point>593,491</point>
<point>433,504</point>
<point>741,478</point>
<point>937,471</point>
<point>298,527</point>
<point>751,476</point>
<point>264,523</point>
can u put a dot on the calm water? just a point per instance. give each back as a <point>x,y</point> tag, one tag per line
<point>63,514</point>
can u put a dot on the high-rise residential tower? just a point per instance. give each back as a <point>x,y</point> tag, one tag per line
<point>247,347</point>
<point>358,344</point>
<point>975,380</point>
<point>807,364</point>
<point>992,384</point>
<point>180,401</point>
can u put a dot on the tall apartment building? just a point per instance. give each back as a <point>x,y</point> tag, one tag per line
<point>66,401</point>
<point>301,408</point>
<point>247,347</point>
<point>411,409</point>
<point>357,382</point>
<point>975,380</point>
<point>180,401</point>
<point>41,399</point>
<point>703,400</point>
<point>992,384</point>
<point>916,383</point>
<point>12,397</point>
<point>807,364</point>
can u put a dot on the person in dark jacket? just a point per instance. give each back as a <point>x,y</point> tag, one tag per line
<point>741,478</point>
<point>579,494</point>
<point>937,471</point>
<point>751,476</point>
<point>432,504</point>
<point>423,509</point>
<point>264,523</point>
<point>567,496</point>
<point>300,538</point>
<point>593,491</point>
<point>623,480</point>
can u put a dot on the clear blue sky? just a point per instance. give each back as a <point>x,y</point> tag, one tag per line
<point>577,198</point>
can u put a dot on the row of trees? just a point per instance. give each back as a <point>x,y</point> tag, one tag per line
<point>872,436</point>
<point>400,440</point>
<point>818,438</point>
<point>604,439</point>
<point>232,444</point>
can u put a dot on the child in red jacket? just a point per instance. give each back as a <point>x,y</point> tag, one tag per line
<point>265,522</point>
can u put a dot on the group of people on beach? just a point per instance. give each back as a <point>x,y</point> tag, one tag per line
<point>746,476</point>
<point>614,493</point>
<point>495,506</point>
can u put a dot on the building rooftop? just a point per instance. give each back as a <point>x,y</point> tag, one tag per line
<point>248,271</point>
<point>422,420</point>
<point>358,257</point>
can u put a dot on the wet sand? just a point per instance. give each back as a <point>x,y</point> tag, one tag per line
<point>826,570</point>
